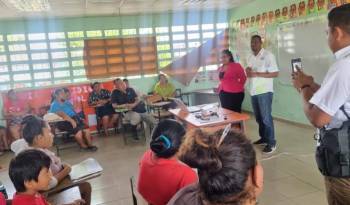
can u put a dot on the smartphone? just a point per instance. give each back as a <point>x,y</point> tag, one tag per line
<point>296,63</point>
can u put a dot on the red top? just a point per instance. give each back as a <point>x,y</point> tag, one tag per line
<point>21,199</point>
<point>19,105</point>
<point>2,199</point>
<point>234,78</point>
<point>160,179</point>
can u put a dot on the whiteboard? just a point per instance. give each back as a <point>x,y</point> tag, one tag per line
<point>306,39</point>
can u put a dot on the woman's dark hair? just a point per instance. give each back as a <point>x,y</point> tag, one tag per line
<point>162,75</point>
<point>340,17</point>
<point>11,91</point>
<point>166,138</point>
<point>229,53</point>
<point>26,166</point>
<point>93,84</point>
<point>32,126</point>
<point>223,169</point>
<point>56,93</point>
<point>66,90</point>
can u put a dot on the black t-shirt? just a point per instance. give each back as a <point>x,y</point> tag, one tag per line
<point>128,97</point>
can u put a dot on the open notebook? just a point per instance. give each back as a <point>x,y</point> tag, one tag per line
<point>65,197</point>
<point>85,169</point>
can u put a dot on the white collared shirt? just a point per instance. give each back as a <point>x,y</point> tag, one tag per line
<point>265,61</point>
<point>335,89</point>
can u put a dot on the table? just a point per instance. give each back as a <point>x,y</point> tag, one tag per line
<point>197,97</point>
<point>228,117</point>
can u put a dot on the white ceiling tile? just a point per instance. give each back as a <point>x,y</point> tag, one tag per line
<point>106,7</point>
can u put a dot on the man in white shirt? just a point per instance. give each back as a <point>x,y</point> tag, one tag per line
<point>262,69</point>
<point>323,104</point>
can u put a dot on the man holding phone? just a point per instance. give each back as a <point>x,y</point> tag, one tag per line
<point>296,64</point>
<point>328,108</point>
<point>262,69</point>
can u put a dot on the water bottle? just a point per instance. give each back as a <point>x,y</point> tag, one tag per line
<point>3,190</point>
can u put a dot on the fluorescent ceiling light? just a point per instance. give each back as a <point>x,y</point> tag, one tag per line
<point>28,5</point>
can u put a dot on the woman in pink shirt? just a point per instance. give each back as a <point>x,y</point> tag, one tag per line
<point>232,79</point>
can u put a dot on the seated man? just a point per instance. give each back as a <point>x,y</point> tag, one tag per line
<point>138,93</point>
<point>73,123</point>
<point>101,100</point>
<point>126,98</point>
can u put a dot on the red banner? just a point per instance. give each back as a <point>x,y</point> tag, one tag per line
<point>37,100</point>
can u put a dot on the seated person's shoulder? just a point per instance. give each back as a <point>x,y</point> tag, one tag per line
<point>54,105</point>
<point>156,86</point>
<point>132,91</point>
<point>115,92</point>
<point>187,195</point>
<point>105,91</point>
<point>21,199</point>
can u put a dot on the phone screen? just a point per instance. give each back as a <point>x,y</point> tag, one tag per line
<point>296,63</point>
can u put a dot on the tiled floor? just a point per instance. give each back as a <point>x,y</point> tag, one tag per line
<point>291,176</point>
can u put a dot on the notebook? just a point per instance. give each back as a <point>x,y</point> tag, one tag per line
<point>66,197</point>
<point>84,169</point>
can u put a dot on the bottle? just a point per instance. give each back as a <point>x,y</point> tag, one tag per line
<point>3,190</point>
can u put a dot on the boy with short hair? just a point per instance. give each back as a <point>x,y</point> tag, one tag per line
<point>30,173</point>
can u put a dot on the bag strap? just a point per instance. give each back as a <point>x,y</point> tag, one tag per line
<point>343,140</point>
<point>342,108</point>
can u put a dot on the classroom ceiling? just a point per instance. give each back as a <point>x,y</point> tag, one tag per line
<point>29,8</point>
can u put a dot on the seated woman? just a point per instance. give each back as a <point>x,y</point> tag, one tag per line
<point>37,135</point>
<point>165,90</point>
<point>72,122</point>
<point>4,145</point>
<point>101,100</point>
<point>161,173</point>
<point>228,171</point>
<point>14,110</point>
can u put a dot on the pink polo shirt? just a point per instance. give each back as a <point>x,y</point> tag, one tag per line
<point>234,78</point>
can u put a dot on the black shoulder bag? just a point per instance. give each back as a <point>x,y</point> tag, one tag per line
<point>333,152</point>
